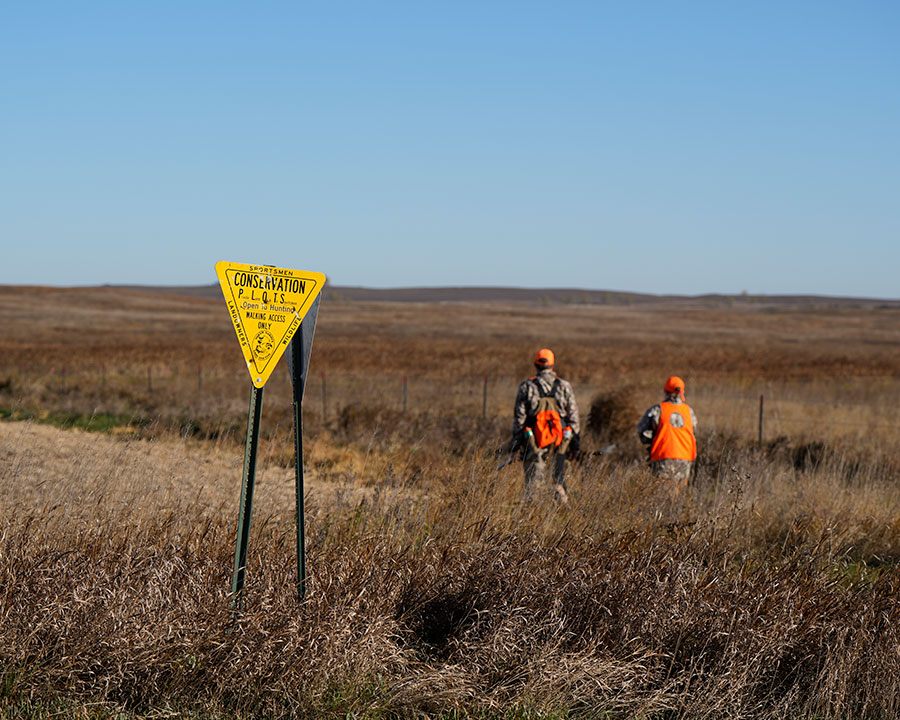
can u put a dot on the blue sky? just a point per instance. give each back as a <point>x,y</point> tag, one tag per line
<point>665,147</point>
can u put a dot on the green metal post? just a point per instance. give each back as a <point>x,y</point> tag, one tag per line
<point>247,486</point>
<point>297,349</point>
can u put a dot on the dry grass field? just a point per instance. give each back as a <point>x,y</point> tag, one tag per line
<point>769,590</point>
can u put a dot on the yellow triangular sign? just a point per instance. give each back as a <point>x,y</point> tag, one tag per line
<point>266,305</point>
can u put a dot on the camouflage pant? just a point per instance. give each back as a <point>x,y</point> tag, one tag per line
<point>676,471</point>
<point>537,461</point>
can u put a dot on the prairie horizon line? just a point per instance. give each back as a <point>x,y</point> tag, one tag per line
<point>508,293</point>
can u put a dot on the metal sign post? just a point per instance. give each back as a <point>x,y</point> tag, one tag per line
<point>248,484</point>
<point>267,306</point>
<point>298,367</point>
<point>296,355</point>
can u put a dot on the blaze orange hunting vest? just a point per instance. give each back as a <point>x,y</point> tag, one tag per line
<point>670,442</point>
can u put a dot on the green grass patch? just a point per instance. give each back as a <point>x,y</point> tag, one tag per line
<point>93,422</point>
<point>861,573</point>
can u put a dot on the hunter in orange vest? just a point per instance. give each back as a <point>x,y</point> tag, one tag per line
<point>545,425</point>
<point>668,428</point>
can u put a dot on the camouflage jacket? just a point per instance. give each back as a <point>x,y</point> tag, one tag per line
<point>527,399</point>
<point>647,426</point>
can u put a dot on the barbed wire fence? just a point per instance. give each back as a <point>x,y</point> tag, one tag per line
<point>760,416</point>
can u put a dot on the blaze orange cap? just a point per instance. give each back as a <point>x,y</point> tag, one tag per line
<point>544,357</point>
<point>674,384</point>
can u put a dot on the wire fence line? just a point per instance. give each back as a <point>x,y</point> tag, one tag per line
<point>788,398</point>
<point>327,393</point>
<point>775,406</point>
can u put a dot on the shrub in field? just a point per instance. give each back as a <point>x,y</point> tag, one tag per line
<point>612,414</point>
<point>613,417</point>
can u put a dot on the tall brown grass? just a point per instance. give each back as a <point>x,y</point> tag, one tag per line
<point>768,590</point>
